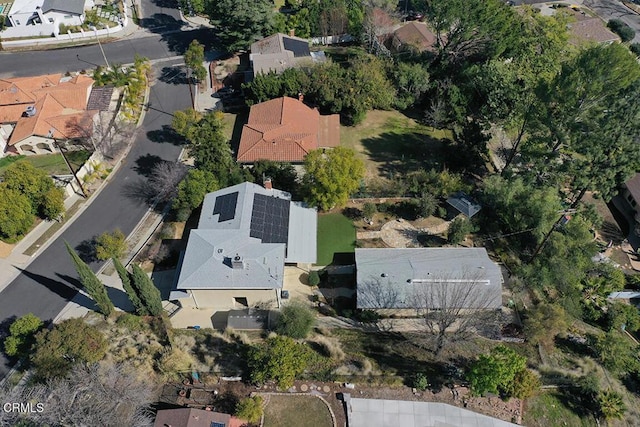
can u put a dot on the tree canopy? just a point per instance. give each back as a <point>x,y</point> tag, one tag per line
<point>239,23</point>
<point>331,176</point>
<point>495,371</point>
<point>278,359</point>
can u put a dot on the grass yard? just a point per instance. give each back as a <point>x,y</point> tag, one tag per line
<point>547,409</point>
<point>391,143</point>
<point>52,164</point>
<point>336,233</point>
<point>300,411</point>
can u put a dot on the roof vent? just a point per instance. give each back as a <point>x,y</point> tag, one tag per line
<point>30,111</point>
<point>383,275</point>
<point>220,250</point>
<point>236,262</point>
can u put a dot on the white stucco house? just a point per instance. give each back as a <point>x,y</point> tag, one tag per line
<point>37,12</point>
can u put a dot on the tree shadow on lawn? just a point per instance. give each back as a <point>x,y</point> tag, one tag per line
<point>398,153</point>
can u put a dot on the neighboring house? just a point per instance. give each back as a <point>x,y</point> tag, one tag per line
<point>235,259</point>
<point>278,52</point>
<point>407,413</point>
<point>464,204</point>
<point>413,35</point>
<point>190,417</point>
<point>403,279</point>
<point>631,194</point>
<point>35,112</point>
<point>35,12</point>
<point>285,130</point>
<point>588,29</point>
<point>627,296</point>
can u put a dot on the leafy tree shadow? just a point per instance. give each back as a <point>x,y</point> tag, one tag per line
<point>172,75</point>
<point>399,153</point>
<point>165,135</point>
<point>86,250</point>
<point>161,22</point>
<point>145,164</point>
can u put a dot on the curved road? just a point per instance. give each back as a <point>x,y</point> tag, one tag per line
<point>614,9</point>
<point>43,288</point>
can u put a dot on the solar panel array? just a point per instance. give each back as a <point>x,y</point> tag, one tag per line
<point>217,424</point>
<point>269,219</point>
<point>298,47</point>
<point>226,206</point>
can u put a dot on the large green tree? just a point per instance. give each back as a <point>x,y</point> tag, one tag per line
<point>194,59</point>
<point>295,321</point>
<point>110,245</point>
<point>331,176</point>
<point>146,291</point>
<point>22,335</point>
<point>278,359</point>
<point>94,287</point>
<point>46,200</point>
<point>208,145</point>
<point>239,23</point>
<point>72,341</point>
<point>191,192</point>
<point>16,215</point>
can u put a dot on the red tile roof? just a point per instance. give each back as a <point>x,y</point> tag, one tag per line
<point>60,106</point>
<point>189,417</point>
<point>285,130</point>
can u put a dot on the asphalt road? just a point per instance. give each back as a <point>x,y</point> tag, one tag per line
<point>613,9</point>
<point>47,284</point>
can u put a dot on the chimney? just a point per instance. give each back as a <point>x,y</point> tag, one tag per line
<point>300,97</point>
<point>237,263</point>
<point>292,32</point>
<point>267,184</point>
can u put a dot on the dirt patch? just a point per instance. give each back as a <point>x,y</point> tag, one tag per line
<point>5,249</point>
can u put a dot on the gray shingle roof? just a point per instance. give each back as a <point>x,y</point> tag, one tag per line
<point>395,278</point>
<point>71,6</point>
<point>226,233</point>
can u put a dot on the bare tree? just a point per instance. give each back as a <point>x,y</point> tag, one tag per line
<point>452,308</point>
<point>95,395</point>
<point>104,133</point>
<point>164,179</point>
<point>376,294</point>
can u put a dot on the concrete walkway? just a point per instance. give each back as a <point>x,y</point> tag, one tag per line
<point>402,234</point>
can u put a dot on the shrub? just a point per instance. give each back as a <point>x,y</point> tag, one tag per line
<point>369,209</point>
<point>635,48</point>
<point>368,316</point>
<point>619,27</point>
<point>172,362</point>
<point>458,230</point>
<point>250,409</point>
<point>278,359</point>
<point>296,321</point>
<point>427,204</point>
<point>330,348</point>
<point>110,245</point>
<point>22,335</point>
<point>314,278</point>
<point>130,321</point>
<point>420,381</point>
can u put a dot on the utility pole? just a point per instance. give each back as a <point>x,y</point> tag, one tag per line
<point>95,31</point>
<point>560,220</point>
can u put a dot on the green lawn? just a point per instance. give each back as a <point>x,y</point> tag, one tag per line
<point>300,411</point>
<point>53,164</point>
<point>336,233</point>
<point>548,408</point>
<point>391,143</point>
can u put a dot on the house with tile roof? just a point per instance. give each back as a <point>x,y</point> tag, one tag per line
<point>190,417</point>
<point>235,258</point>
<point>402,280</point>
<point>35,112</point>
<point>278,52</point>
<point>285,130</point>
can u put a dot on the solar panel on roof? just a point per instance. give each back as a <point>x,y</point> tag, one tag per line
<point>226,206</point>
<point>269,219</point>
<point>299,48</point>
<point>217,424</point>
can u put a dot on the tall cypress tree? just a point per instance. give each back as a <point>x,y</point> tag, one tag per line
<point>141,310</point>
<point>94,287</point>
<point>147,291</point>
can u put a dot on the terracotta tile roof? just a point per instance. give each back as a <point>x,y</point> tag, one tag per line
<point>60,105</point>
<point>285,130</point>
<point>189,417</point>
